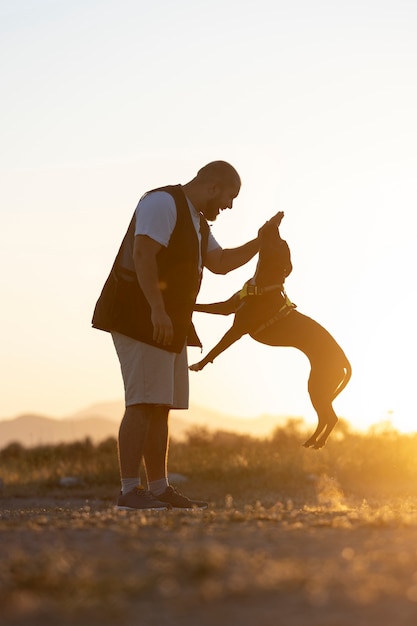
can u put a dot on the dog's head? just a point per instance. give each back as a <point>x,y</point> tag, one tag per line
<point>274,263</point>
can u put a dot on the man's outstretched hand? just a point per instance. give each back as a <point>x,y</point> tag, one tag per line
<point>275,220</point>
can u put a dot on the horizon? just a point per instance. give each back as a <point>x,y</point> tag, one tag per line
<point>112,411</point>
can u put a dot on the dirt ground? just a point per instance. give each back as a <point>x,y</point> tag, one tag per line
<point>79,561</point>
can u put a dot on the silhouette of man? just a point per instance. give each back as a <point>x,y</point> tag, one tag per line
<point>147,304</point>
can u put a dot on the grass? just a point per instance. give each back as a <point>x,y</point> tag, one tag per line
<point>376,464</point>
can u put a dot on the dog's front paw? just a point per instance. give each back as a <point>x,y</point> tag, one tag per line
<point>196,367</point>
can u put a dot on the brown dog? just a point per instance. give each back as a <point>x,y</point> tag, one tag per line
<point>263,310</point>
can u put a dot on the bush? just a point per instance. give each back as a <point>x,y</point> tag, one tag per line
<point>221,463</point>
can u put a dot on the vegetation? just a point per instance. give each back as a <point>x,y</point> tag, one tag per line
<point>379,463</point>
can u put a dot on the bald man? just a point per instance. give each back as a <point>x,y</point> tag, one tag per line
<point>146,304</point>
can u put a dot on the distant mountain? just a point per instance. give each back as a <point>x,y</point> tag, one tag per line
<point>102,420</point>
<point>260,426</point>
<point>195,416</point>
<point>33,430</point>
<point>107,410</point>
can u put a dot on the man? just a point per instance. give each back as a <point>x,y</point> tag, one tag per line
<point>147,304</point>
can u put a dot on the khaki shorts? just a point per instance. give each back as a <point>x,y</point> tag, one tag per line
<point>152,375</point>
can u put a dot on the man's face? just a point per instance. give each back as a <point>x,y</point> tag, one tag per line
<point>219,198</point>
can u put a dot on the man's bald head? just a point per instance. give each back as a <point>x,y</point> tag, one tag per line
<point>219,172</point>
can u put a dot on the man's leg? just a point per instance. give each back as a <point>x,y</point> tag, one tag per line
<point>156,445</point>
<point>133,434</point>
<point>145,371</point>
<point>131,444</point>
<point>156,450</point>
<point>156,461</point>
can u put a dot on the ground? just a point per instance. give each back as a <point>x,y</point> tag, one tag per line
<point>76,560</point>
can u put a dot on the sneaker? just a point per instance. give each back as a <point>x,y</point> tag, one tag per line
<point>140,499</point>
<point>171,496</point>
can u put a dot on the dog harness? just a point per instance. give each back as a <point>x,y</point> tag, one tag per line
<point>253,290</point>
<point>249,290</point>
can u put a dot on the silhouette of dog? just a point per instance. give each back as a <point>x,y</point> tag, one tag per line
<point>263,310</point>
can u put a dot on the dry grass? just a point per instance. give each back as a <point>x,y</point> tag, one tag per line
<point>320,538</point>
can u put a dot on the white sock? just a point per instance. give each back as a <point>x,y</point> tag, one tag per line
<point>129,483</point>
<point>158,486</point>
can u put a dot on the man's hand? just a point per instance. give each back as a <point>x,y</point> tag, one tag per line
<point>163,332</point>
<point>275,220</point>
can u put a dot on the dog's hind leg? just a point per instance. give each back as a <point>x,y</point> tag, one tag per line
<point>325,383</point>
<point>330,369</point>
<point>327,420</point>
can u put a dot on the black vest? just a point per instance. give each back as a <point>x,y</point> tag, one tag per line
<point>122,305</point>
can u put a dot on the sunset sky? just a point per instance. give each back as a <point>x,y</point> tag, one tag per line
<point>315,105</point>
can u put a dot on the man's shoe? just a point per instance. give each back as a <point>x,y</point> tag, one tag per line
<point>171,496</point>
<point>138,499</point>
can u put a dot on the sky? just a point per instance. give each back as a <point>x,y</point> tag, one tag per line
<point>313,102</point>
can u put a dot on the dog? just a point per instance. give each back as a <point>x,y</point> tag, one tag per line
<point>263,310</point>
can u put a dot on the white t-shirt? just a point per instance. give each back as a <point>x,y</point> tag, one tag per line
<point>156,216</point>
